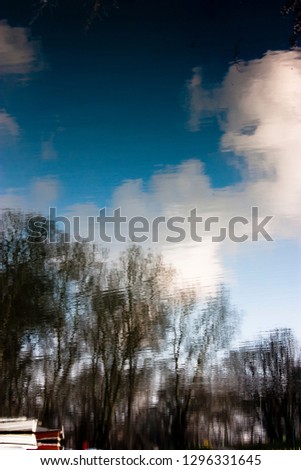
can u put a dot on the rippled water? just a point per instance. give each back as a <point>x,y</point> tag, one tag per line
<point>150,223</point>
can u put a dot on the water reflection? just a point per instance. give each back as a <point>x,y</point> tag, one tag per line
<point>127,360</point>
<point>196,156</point>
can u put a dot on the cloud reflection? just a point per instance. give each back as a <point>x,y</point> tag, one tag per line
<point>19,54</point>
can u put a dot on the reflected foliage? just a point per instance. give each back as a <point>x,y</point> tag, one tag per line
<point>125,359</point>
<point>269,377</point>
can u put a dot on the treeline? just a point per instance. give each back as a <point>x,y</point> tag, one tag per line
<point>124,358</point>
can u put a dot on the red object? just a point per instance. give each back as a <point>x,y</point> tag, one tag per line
<point>85,445</point>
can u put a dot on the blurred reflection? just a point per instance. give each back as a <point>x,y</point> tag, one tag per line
<point>128,360</point>
<point>184,334</point>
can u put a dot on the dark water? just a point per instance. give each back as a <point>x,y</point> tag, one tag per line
<point>150,223</point>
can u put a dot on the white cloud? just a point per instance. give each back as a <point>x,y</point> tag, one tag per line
<point>19,57</point>
<point>37,197</point>
<point>8,124</point>
<point>18,53</point>
<point>269,98</point>
<point>261,122</point>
